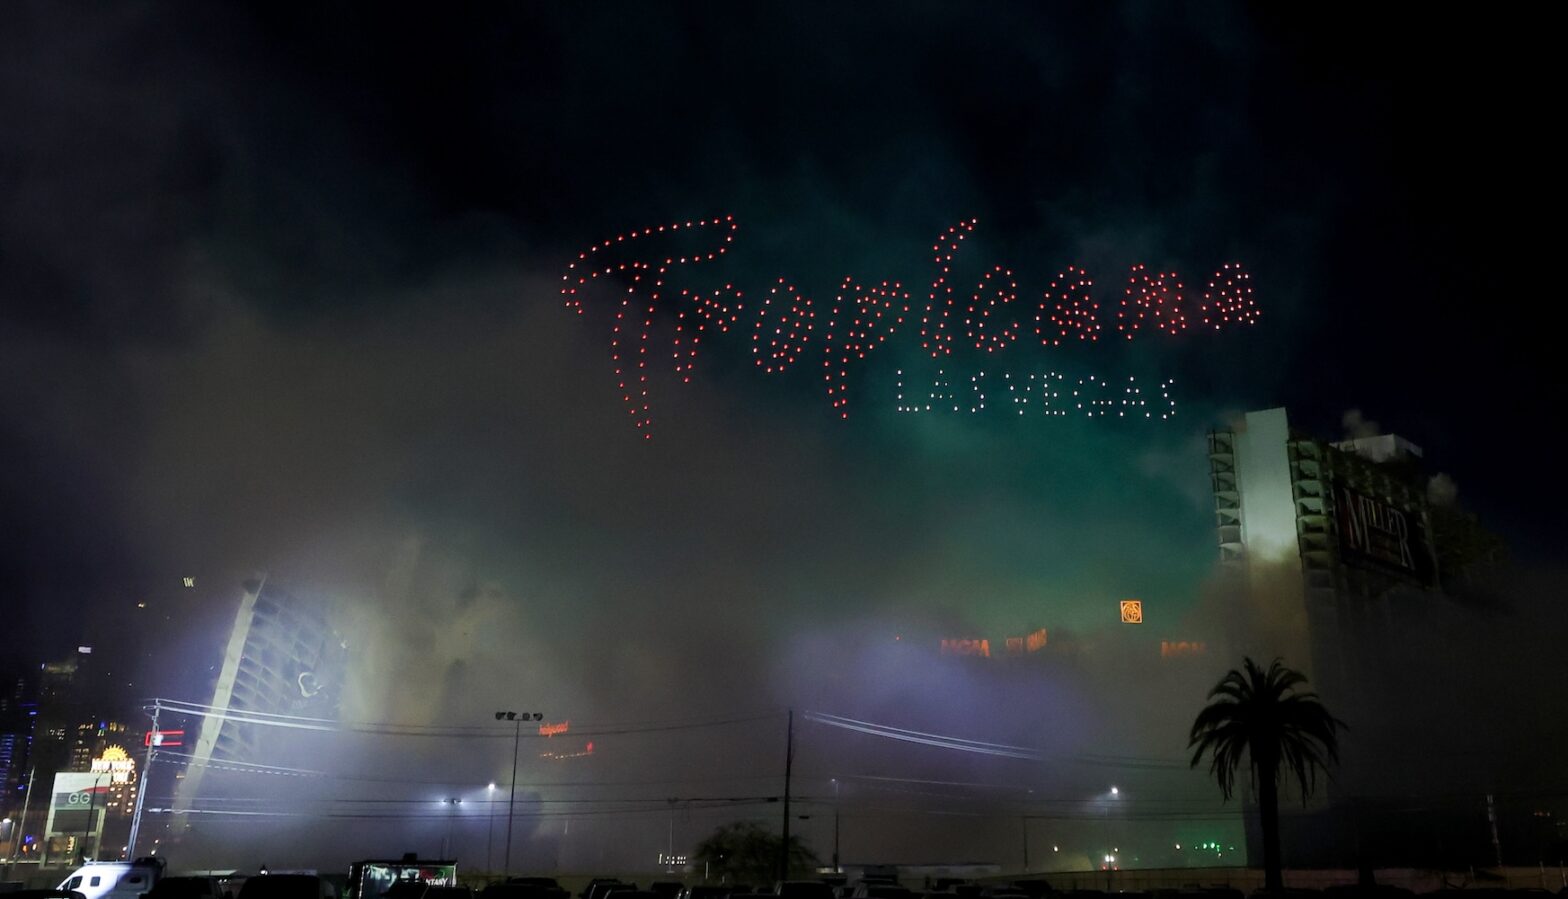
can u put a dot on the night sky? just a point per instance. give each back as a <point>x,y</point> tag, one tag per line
<point>278,291</point>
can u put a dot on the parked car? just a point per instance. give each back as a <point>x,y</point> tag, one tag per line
<point>189,886</point>
<point>287,886</point>
<point>706,892</point>
<point>667,889</point>
<point>599,887</point>
<point>802,889</point>
<point>525,888</point>
<point>882,891</point>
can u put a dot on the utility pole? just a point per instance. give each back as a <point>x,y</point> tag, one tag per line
<point>789,765</point>
<point>141,782</point>
<point>1024,820</point>
<point>1491,820</point>
<point>669,858</point>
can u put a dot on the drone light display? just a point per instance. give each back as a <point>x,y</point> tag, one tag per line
<point>789,327</point>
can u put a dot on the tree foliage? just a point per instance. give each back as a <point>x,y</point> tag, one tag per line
<point>1261,712</point>
<point>746,852</point>
<point>1263,717</point>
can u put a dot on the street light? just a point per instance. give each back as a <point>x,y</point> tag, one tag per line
<point>516,718</point>
<point>490,834</point>
<point>836,868</point>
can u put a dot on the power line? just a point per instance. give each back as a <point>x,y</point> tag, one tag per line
<point>392,729</point>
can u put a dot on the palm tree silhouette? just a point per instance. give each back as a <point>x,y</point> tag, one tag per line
<point>1261,716</point>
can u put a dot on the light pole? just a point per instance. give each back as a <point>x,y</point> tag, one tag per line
<point>516,718</point>
<point>20,828</point>
<point>92,808</point>
<point>789,766</point>
<point>490,836</point>
<point>836,868</point>
<point>451,802</point>
<point>1110,860</point>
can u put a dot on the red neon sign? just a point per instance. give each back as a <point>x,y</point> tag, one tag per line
<point>164,738</point>
<point>550,730</point>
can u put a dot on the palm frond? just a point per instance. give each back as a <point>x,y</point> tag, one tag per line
<point>1266,717</point>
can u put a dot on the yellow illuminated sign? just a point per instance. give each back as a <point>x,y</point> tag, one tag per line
<point>1132,611</point>
<point>115,763</point>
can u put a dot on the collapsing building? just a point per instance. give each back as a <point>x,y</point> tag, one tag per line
<point>283,657</point>
<point>1349,524</point>
<point>1341,548</point>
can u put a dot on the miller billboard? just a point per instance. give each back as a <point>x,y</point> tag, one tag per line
<point>1376,534</point>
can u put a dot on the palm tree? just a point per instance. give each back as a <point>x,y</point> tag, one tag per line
<point>1260,715</point>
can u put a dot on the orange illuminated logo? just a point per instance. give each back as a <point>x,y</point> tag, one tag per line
<point>550,730</point>
<point>1132,611</point>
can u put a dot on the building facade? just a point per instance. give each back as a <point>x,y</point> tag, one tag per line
<point>283,657</point>
<point>1343,550</point>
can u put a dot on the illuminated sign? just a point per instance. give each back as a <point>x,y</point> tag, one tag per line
<point>1132,611</point>
<point>77,808</point>
<point>374,878</point>
<point>550,730</point>
<point>1034,641</point>
<point>115,763</point>
<point>785,326</point>
<point>967,647</point>
<point>188,581</point>
<point>1373,532</point>
<point>1174,649</point>
<point>164,738</point>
